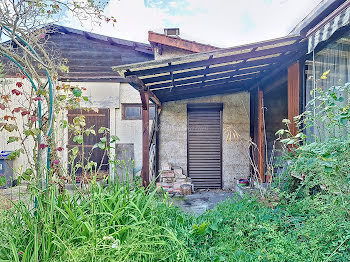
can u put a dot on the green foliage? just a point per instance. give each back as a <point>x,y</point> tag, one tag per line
<point>323,158</point>
<point>2,180</point>
<point>128,223</point>
<point>311,229</point>
<point>117,223</point>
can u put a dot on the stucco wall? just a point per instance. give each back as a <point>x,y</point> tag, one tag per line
<point>103,95</point>
<point>169,52</point>
<point>130,131</point>
<point>113,96</point>
<point>173,134</point>
<point>6,86</point>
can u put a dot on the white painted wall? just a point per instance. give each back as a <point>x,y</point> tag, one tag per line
<point>6,85</point>
<point>102,95</point>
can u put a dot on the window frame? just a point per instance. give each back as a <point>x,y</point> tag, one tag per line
<point>125,105</point>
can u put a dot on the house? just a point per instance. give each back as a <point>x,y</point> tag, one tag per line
<point>212,105</point>
<point>116,104</point>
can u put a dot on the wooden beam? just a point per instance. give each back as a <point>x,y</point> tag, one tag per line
<point>205,91</point>
<point>289,59</point>
<point>135,81</point>
<point>203,80</point>
<point>172,78</point>
<point>138,83</point>
<point>242,66</point>
<point>293,95</point>
<point>218,60</point>
<point>205,71</point>
<point>143,99</point>
<point>155,99</point>
<point>183,59</point>
<point>261,136</point>
<point>224,80</point>
<point>145,137</point>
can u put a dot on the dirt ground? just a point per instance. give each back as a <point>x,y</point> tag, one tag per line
<point>201,201</point>
<point>8,196</point>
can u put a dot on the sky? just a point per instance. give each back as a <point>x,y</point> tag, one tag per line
<point>222,23</point>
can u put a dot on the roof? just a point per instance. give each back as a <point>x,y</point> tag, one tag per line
<point>323,9</point>
<point>140,47</point>
<point>221,71</point>
<point>90,55</point>
<point>177,42</point>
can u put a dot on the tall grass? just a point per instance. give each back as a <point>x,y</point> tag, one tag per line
<point>116,223</point>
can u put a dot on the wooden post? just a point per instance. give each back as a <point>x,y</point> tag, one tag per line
<point>293,95</point>
<point>261,136</point>
<point>145,137</point>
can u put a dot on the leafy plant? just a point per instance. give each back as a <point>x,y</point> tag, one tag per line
<point>320,153</point>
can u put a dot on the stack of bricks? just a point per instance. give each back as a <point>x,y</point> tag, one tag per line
<point>171,179</point>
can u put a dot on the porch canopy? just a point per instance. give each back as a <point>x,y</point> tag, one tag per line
<point>338,19</point>
<point>221,71</point>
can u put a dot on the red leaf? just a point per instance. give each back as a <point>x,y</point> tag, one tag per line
<point>37,98</point>
<point>16,110</point>
<point>23,113</point>
<point>56,162</point>
<point>60,149</point>
<point>42,146</point>
<point>2,107</point>
<point>16,92</point>
<point>19,84</point>
<point>34,118</point>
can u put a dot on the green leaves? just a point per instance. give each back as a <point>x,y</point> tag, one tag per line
<point>32,132</point>
<point>27,174</point>
<point>78,139</point>
<point>102,130</point>
<point>114,139</point>
<point>77,92</point>
<point>16,153</point>
<point>75,150</point>
<point>200,230</point>
<point>12,139</point>
<point>100,145</point>
<point>2,180</point>
<point>89,131</point>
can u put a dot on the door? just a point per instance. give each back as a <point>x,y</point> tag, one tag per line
<point>94,119</point>
<point>204,144</point>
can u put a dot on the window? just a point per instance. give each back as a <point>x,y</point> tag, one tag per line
<point>334,57</point>
<point>134,111</point>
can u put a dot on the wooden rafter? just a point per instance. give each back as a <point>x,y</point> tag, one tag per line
<point>205,71</point>
<point>212,70</point>
<point>261,138</point>
<point>293,95</point>
<point>138,84</point>
<point>215,60</point>
<point>145,137</point>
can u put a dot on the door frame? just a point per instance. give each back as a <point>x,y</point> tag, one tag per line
<point>220,107</point>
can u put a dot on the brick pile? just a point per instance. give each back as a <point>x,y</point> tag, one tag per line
<point>172,178</point>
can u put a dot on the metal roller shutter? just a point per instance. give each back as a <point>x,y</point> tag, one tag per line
<point>204,144</point>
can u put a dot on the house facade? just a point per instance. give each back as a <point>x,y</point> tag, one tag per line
<point>114,103</point>
<point>212,112</point>
<point>219,109</point>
